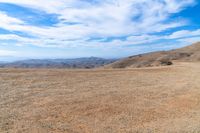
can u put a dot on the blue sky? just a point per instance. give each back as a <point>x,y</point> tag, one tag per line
<point>102,28</point>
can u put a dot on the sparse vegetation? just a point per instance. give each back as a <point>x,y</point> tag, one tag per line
<point>158,99</point>
<point>162,58</point>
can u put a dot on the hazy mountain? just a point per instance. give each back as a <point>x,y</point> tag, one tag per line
<point>90,62</point>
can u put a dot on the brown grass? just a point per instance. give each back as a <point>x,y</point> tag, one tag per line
<point>160,99</point>
<point>160,58</point>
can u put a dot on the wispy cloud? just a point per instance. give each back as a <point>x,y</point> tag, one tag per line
<point>7,53</point>
<point>80,22</point>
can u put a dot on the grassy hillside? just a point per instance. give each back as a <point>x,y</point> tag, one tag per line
<point>160,58</point>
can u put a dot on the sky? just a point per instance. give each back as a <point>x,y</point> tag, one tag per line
<point>100,28</point>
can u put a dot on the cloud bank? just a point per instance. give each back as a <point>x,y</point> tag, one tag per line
<point>94,23</point>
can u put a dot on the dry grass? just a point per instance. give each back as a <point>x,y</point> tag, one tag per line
<point>162,99</point>
<point>160,58</point>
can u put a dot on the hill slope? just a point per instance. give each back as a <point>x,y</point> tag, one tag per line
<point>161,58</point>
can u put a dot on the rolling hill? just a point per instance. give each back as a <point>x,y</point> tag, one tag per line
<point>160,58</point>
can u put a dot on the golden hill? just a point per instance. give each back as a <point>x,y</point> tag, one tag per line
<point>161,58</point>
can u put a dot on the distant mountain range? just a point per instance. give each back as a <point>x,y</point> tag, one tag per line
<point>160,58</point>
<point>2,62</point>
<point>91,62</point>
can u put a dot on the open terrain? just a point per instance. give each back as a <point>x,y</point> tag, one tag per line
<point>158,99</point>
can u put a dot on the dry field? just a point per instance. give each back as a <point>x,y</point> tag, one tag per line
<point>162,99</point>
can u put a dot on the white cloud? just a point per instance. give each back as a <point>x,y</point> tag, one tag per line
<point>189,40</point>
<point>11,36</point>
<point>184,33</point>
<point>7,53</point>
<point>102,18</point>
<point>7,20</point>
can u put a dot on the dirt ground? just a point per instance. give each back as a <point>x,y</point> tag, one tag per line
<point>146,100</point>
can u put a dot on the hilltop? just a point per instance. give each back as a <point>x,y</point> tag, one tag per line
<point>160,58</point>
